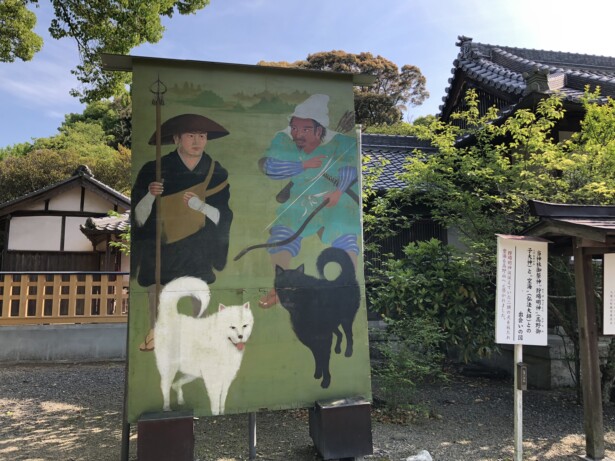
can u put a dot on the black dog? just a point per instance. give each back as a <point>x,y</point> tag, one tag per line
<point>318,307</point>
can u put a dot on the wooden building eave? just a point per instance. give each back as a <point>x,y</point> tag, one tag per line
<point>549,227</point>
<point>54,190</point>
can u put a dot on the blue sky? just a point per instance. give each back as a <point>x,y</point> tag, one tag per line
<point>35,95</point>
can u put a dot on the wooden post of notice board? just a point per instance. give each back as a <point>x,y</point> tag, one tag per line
<point>590,360</point>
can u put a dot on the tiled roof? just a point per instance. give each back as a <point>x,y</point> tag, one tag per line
<point>592,222</point>
<point>392,151</point>
<point>107,224</point>
<point>519,71</point>
<point>99,229</point>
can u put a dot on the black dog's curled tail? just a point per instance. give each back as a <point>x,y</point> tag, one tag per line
<point>336,255</point>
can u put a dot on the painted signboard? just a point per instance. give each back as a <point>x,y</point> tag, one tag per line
<point>609,294</point>
<point>247,287</point>
<point>521,300</point>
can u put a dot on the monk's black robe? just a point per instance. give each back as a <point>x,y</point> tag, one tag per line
<point>191,243</point>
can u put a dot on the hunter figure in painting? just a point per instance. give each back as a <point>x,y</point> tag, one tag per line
<point>321,199</point>
<point>322,193</point>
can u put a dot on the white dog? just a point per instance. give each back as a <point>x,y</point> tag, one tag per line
<point>210,348</point>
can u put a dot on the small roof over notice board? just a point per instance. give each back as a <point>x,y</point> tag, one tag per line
<point>586,232</point>
<point>561,223</point>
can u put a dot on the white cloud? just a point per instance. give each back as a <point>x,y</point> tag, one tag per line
<point>44,81</point>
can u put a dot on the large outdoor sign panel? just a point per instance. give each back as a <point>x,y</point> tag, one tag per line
<point>521,301</point>
<point>259,267</point>
<point>609,294</point>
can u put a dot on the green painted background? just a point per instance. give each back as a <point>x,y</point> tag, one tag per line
<point>277,370</point>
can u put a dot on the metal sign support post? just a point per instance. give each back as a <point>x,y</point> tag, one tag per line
<point>521,310</point>
<point>252,434</point>
<point>125,444</point>
<point>518,403</point>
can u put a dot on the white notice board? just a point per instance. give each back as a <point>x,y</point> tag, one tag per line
<point>521,300</point>
<point>609,294</point>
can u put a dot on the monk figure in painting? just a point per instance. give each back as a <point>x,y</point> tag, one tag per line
<point>195,213</point>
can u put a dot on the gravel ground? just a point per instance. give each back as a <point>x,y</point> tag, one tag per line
<point>72,412</point>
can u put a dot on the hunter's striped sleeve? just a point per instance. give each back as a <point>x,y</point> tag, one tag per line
<point>282,169</point>
<point>347,175</point>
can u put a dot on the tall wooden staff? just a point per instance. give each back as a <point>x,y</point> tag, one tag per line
<point>158,101</point>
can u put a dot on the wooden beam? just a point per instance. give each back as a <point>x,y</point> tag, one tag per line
<point>590,363</point>
<point>599,251</point>
<point>588,243</point>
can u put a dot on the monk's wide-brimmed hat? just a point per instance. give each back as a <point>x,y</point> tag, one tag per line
<point>188,123</point>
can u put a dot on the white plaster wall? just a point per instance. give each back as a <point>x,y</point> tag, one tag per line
<point>37,233</point>
<point>95,203</point>
<point>68,201</point>
<point>75,240</point>
<point>40,205</point>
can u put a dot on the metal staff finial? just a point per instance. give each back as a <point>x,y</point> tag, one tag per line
<point>158,88</point>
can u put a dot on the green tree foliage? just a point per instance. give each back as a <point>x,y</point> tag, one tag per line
<point>97,26</point>
<point>17,37</point>
<point>398,128</point>
<point>411,354</point>
<point>97,138</point>
<point>38,169</point>
<point>591,168</point>
<point>380,103</point>
<point>102,123</point>
<point>114,171</point>
<point>433,281</point>
<point>87,139</point>
<point>49,160</point>
<point>43,167</point>
<point>401,128</point>
<point>15,150</point>
<point>114,116</point>
<point>481,185</point>
<point>123,244</point>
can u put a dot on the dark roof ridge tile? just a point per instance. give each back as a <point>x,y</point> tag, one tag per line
<point>607,61</point>
<point>375,140</point>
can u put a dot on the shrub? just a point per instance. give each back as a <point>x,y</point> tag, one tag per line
<point>433,281</point>
<point>411,355</point>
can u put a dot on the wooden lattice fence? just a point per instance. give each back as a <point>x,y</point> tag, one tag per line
<point>63,297</point>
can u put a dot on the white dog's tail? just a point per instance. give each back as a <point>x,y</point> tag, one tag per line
<point>180,288</point>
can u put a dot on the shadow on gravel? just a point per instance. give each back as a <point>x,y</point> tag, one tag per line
<point>67,412</point>
<point>72,412</point>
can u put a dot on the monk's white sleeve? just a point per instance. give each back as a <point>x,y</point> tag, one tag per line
<point>209,211</point>
<point>144,209</point>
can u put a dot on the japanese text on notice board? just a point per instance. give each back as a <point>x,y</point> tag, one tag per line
<point>609,294</point>
<point>521,303</point>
